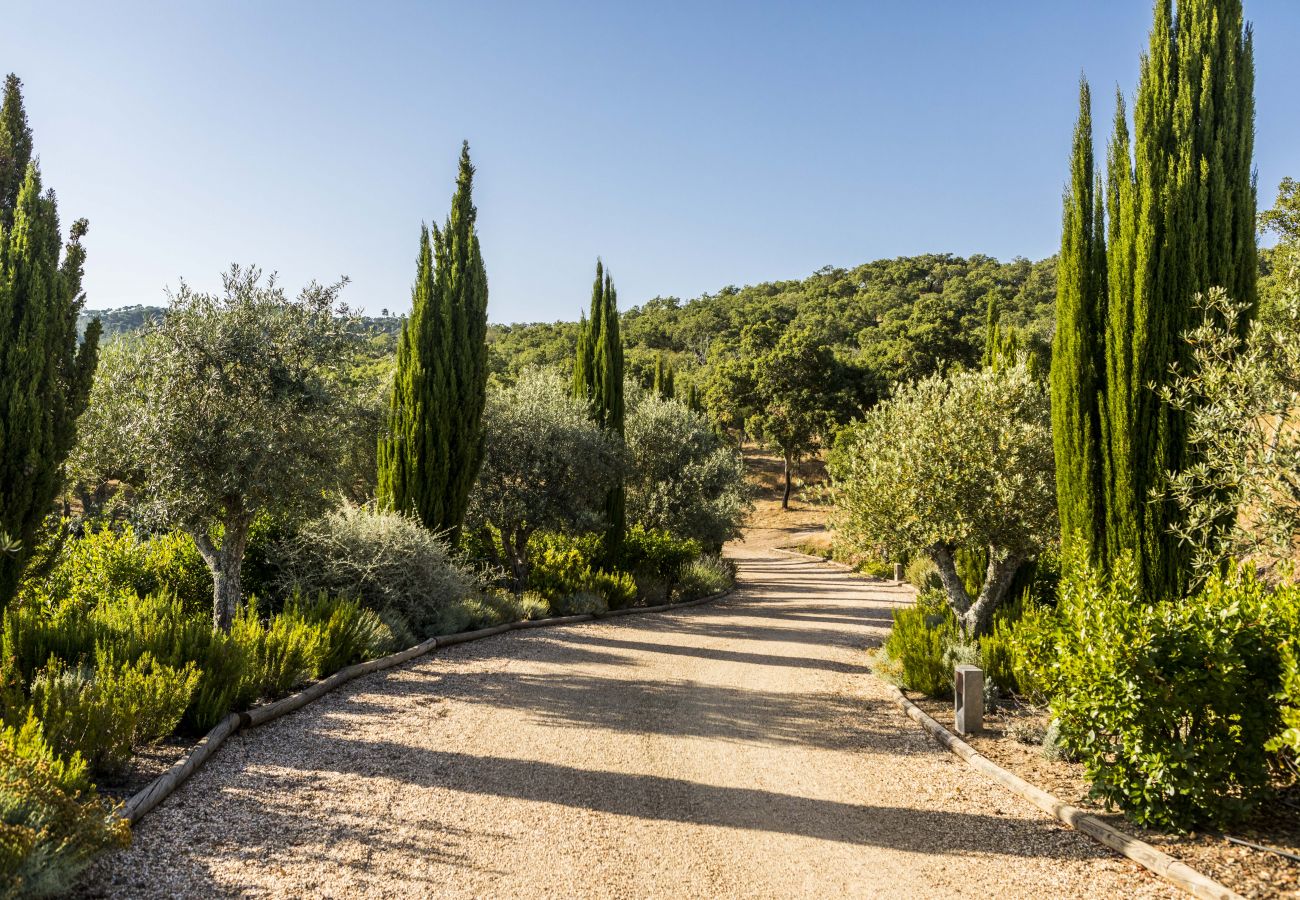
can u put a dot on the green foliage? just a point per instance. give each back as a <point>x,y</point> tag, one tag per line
<point>705,576</point>
<point>562,566</point>
<point>920,643</point>
<point>947,464</point>
<point>1170,705</point>
<point>546,467</point>
<point>1078,363</point>
<point>921,573</point>
<point>1241,396</point>
<point>280,653</point>
<point>1193,138</point>
<point>386,560</point>
<point>106,713</point>
<point>104,561</point>
<point>657,558</point>
<point>349,633</point>
<point>52,824</point>
<point>682,477</point>
<point>786,386</point>
<point>598,381</point>
<point>227,410</point>
<point>430,453</point>
<point>45,370</point>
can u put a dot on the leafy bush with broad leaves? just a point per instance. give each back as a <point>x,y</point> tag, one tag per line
<point>52,824</point>
<point>1169,706</point>
<point>682,477</point>
<point>106,713</point>
<point>706,576</point>
<point>388,561</point>
<point>918,649</point>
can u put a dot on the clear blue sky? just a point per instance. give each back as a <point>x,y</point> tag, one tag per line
<point>692,145</point>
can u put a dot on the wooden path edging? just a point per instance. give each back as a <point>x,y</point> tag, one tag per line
<point>1167,867</point>
<point>156,791</point>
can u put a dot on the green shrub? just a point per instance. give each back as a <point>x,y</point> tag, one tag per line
<point>280,653</point>
<point>1287,741</point>
<point>579,604</point>
<point>1168,705</point>
<point>388,561</point>
<point>106,561</point>
<point>51,822</point>
<point>920,644</point>
<point>656,558</point>
<point>105,713</point>
<point>563,565</point>
<point>705,576</point>
<point>349,633</point>
<point>922,573</point>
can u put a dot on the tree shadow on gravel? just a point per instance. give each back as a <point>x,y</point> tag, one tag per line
<point>299,827</point>
<point>656,798</point>
<point>676,708</point>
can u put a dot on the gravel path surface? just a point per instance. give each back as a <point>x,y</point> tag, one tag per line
<point>734,749</point>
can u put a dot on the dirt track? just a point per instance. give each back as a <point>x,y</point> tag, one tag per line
<point>738,749</point>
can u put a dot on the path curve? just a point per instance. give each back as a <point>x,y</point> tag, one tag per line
<point>735,749</point>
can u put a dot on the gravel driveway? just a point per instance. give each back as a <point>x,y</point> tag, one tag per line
<point>734,749</point>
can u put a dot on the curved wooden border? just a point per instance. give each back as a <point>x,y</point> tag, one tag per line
<point>140,803</point>
<point>1167,867</point>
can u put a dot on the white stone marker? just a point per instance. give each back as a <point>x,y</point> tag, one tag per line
<point>968,691</point>
<point>898,572</point>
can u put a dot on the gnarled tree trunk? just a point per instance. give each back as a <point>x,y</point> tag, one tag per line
<point>225,563</point>
<point>975,615</point>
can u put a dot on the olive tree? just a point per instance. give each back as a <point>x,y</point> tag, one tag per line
<point>1240,498</point>
<point>227,408</point>
<point>682,477</point>
<point>546,466</point>
<point>962,461</point>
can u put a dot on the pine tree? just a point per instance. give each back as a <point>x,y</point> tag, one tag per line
<point>1179,206</point>
<point>430,454</point>
<point>598,379</point>
<point>45,371</point>
<point>1077,348</point>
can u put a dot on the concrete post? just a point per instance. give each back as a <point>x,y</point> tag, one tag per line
<point>898,572</point>
<point>968,699</point>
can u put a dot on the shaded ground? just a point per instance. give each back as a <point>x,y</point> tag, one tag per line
<point>731,749</point>
<point>1012,739</point>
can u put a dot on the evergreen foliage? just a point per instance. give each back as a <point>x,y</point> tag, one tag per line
<point>598,380</point>
<point>664,377</point>
<point>1179,219</point>
<point>45,371</point>
<point>430,455</point>
<point>1077,349</point>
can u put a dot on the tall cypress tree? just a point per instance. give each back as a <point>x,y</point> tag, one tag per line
<point>598,379</point>
<point>431,451</point>
<point>45,370</point>
<point>1077,351</point>
<point>664,378</point>
<point>1179,210</point>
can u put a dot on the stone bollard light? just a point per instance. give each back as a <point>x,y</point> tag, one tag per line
<point>898,572</point>
<point>968,698</point>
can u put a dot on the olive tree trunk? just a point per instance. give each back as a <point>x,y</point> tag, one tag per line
<point>225,563</point>
<point>975,614</point>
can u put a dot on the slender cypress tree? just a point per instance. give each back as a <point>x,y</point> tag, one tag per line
<point>1179,208</point>
<point>598,379</point>
<point>45,371</point>
<point>664,378</point>
<point>432,448</point>
<point>1077,348</point>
